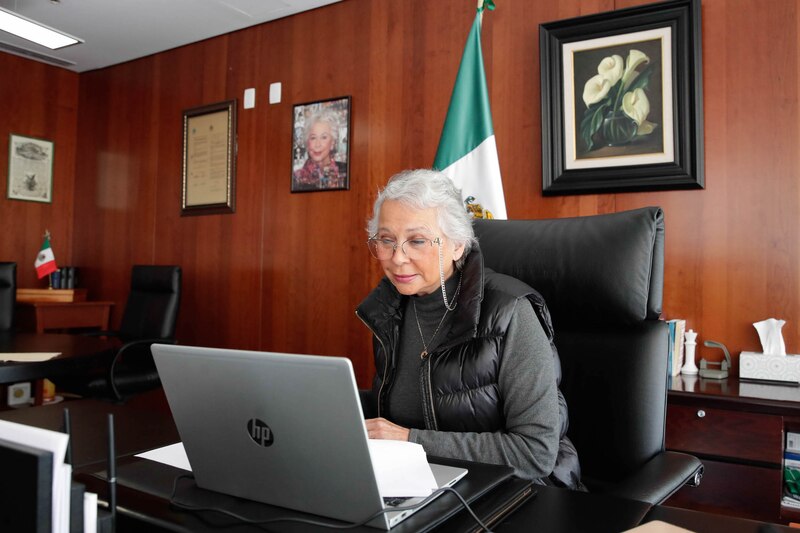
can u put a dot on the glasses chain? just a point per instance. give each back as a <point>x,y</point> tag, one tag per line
<point>447,309</point>
<point>441,278</point>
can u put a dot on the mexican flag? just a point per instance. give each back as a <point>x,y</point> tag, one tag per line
<point>467,152</point>
<point>45,262</point>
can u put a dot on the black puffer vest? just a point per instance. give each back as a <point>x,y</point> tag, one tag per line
<point>460,378</point>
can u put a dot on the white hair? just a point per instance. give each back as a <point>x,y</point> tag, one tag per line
<point>327,117</point>
<point>424,189</point>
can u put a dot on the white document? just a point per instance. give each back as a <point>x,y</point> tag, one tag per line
<point>401,467</point>
<point>172,455</point>
<point>28,357</point>
<point>89,512</point>
<point>56,443</point>
<point>657,526</point>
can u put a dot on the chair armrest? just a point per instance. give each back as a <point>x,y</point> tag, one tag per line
<point>661,477</point>
<point>118,356</point>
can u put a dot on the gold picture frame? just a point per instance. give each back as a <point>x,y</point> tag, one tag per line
<point>209,159</point>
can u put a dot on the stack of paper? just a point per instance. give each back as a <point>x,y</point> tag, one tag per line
<point>401,468</point>
<point>28,357</point>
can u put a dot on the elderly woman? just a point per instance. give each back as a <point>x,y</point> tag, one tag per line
<point>321,170</point>
<point>464,367</point>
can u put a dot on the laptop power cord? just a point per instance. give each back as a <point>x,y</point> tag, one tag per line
<point>347,525</point>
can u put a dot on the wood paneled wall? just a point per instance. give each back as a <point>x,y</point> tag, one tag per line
<point>38,100</point>
<point>286,271</point>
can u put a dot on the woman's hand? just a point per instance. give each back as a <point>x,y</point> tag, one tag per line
<point>380,428</point>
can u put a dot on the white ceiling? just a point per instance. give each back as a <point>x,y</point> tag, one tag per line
<point>115,31</point>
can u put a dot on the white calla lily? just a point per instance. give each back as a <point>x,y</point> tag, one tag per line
<point>635,58</point>
<point>595,89</point>
<point>611,68</point>
<point>645,128</point>
<point>636,105</point>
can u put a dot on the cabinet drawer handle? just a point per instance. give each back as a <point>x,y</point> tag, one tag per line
<point>701,413</point>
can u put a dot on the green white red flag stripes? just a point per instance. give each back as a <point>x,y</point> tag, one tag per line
<point>467,151</point>
<point>45,262</point>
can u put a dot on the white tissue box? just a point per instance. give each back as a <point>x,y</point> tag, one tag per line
<point>754,365</point>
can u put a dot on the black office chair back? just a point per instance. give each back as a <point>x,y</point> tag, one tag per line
<point>151,311</point>
<point>8,295</point>
<point>602,278</point>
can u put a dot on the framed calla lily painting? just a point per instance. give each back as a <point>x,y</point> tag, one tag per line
<point>622,100</point>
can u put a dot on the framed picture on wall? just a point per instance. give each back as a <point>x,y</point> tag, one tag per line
<point>321,145</point>
<point>622,100</point>
<point>209,159</point>
<point>30,169</point>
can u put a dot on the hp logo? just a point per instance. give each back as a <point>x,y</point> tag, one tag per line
<point>259,432</point>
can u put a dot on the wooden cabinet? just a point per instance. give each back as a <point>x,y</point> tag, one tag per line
<point>737,429</point>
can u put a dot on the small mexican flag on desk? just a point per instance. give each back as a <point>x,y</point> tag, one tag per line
<point>45,262</point>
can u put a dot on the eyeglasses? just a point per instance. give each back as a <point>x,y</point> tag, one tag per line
<point>416,248</point>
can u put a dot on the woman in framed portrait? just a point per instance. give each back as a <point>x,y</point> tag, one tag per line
<point>321,170</point>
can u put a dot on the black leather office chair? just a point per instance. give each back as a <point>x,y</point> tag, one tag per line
<point>150,315</point>
<point>8,295</point>
<point>602,278</point>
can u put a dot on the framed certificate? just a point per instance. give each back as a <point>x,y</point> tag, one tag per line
<point>30,169</point>
<point>209,159</point>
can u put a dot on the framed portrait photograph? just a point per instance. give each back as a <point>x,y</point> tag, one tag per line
<point>209,159</point>
<point>622,100</point>
<point>30,169</point>
<point>321,145</point>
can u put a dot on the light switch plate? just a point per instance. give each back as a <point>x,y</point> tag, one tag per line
<point>275,93</point>
<point>249,98</point>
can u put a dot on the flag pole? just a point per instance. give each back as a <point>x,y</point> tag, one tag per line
<point>483,5</point>
<point>49,276</point>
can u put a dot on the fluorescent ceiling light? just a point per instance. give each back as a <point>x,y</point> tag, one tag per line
<point>33,31</point>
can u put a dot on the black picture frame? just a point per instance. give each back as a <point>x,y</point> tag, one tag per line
<point>208,184</point>
<point>586,146</point>
<point>332,171</point>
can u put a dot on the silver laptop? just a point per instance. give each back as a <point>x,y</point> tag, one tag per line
<point>282,429</point>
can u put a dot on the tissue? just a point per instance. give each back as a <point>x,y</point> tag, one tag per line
<point>769,332</point>
<point>772,364</point>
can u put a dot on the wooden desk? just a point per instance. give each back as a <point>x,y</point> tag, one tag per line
<point>79,356</point>
<point>144,487</point>
<point>43,316</point>
<point>737,430</point>
<point>138,426</point>
<point>698,521</point>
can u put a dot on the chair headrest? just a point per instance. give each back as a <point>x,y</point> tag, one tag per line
<point>600,268</point>
<point>155,278</point>
<point>8,275</point>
